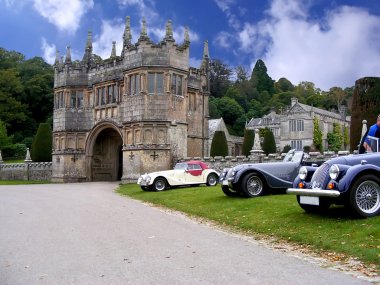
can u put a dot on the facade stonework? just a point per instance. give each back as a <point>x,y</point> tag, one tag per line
<point>126,115</point>
<point>295,127</point>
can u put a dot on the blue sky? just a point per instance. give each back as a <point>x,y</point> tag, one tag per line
<point>328,42</point>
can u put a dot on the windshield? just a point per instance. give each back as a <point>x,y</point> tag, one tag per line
<point>293,156</point>
<point>373,143</point>
<point>180,166</point>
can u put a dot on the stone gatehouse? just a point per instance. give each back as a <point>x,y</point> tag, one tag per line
<point>129,114</point>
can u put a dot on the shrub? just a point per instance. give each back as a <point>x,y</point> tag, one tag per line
<point>286,148</point>
<point>219,145</point>
<point>17,150</point>
<point>249,138</point>
<point>269,143</point>
<point>42,144</point>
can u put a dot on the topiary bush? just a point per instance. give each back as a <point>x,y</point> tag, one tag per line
<point>249,138</point>
<point>269,143</point>
<point>42,144</point>
<point>219,146</point>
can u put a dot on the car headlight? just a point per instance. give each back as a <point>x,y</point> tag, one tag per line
<point>334,172</point>
<point>302,173</point>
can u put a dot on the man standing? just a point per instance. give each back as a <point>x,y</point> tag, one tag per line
<point>373,131</point>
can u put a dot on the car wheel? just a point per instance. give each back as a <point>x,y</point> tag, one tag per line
<point>229,192</point>
<point>212,179</point>
<point>159,184</point>
<point>252,185</point>
<point>365,196</point>
<point>324,205</point>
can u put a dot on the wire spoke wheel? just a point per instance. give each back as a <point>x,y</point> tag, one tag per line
<point>254,186</point>
<point>367,197</point>
<point>159,184</point>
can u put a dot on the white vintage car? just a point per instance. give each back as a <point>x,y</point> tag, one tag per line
<point>184,173</point>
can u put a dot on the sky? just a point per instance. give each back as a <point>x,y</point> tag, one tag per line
<point>327,42</point>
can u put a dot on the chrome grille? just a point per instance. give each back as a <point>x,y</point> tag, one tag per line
<point>320,175</point>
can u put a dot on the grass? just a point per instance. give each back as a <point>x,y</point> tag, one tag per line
<point>277,216</point>
<point>20,182</point>
<point>14,161</point>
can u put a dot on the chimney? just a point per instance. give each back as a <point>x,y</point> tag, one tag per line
<point>294,101</point>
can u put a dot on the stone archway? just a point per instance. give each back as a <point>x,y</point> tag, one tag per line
<point>105,155</point>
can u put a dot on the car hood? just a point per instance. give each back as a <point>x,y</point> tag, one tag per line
<point>265,166</point>
<point>166,172</point>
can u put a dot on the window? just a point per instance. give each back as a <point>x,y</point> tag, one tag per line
<point>76,99</point>
<point>134,84</point>
<point>59,101</point>
<point>296,144</point>
<point>106,95</point>
<point>296,126</point>
<point>155,83</point>
<point>176,85</point>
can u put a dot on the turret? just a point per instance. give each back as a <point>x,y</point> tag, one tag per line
<point>143,33</point>
<point>169,31</point>
<point>113,53</point>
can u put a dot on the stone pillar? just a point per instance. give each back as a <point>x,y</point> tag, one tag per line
<point>256,151</point>
<point>27,158</point>
<point>1,158</point>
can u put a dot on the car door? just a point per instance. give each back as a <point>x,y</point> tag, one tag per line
<point>193,173</point>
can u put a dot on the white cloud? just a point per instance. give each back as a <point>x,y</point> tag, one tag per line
<point>143,9</point>
<point>225,6</point>
<point>48,51</point>
<point>64,14</point>
<point>223,39</point>
<point>195,62</point>
<point>110,32</point>
<point>332,51</point>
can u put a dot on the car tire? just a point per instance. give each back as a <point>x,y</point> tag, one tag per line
<point>324,205</point>
<point>160,184</point>
<point>364,200</point>
<point>229,192</point>
<point>212,179</point>
<point>252,185</point>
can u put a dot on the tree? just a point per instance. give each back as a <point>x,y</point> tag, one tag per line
<point>317,135</point>
<point>220,75</point>
<point>283,85</point>
<point>219,146</point>
<point>5,141</point>
<point>335,139</point>
<point>229,109</point>
<point>249,138</point>
<point>42,144</point>
<point>260,78</point>
<point>269,143</point>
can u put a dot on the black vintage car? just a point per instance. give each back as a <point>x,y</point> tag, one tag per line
<point>252,180</point>
<point>353,181</point>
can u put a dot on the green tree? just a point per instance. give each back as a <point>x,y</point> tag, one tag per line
<point>249,138</point>
<point>230,110</point>
<point>220,75</point>
<point>335,139</point>
<point>42,144</point>
<point>346,137</point>
<point>269,143</point>
<point>5,141</point>
<point>219,146</point>
<point>260,78</point>
<point>283,85</point>
<point>317,135</point>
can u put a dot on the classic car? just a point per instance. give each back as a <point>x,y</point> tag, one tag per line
<point>352,181</point>
<point>184,173</point>
<point>252,180</point>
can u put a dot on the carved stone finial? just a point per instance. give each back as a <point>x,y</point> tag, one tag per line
<point>57,57</point>
<point>28,158</point>
<point>127,37</point>
<point>187,37</point>
<point>89,40</point>
<point>113,53</point>
<point>169,30</point>
<point>205,50</point>
<point>68,55</point>
<point>143,28</point>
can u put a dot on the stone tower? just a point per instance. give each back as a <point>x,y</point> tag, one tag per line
<point>117,118</point>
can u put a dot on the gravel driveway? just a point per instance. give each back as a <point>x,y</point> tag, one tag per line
<point>86,233</point>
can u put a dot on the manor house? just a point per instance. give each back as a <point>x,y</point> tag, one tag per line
<point>294,126</point>
<point>132,113</point>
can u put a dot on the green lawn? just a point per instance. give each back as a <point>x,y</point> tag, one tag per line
<point>277,216</point>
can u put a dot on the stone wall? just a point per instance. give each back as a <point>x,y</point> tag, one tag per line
<point>42,171</point>
<point>38,171</point>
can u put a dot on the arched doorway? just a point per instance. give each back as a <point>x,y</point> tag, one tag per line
<point>106,160</point>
